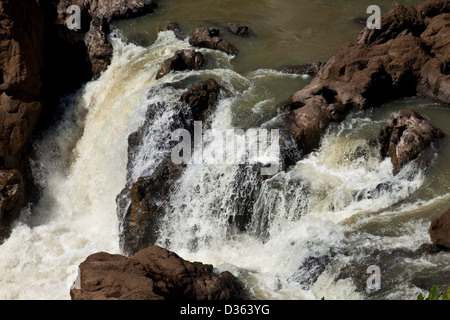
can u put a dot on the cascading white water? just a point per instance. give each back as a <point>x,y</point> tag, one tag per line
<point>300,216</point>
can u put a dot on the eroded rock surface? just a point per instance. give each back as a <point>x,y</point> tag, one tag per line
<point>405,136</point>
<point>205,37</point>
<point>181,60</point>
<point>153,273</point>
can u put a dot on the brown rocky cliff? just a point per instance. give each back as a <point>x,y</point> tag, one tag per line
<point>153,273</point>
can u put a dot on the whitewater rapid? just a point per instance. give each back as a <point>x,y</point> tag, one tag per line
<point>308,223</point>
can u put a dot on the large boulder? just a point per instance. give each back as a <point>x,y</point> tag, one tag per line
<point>182,60</point>
<point>153,273</point>
<point>239,30</point>
<point>440,230</point>
<point>205,37</point>
<point>408,56</point>
<point>405,136</point>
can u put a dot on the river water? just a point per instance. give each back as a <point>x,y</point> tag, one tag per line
<point>316,228</point>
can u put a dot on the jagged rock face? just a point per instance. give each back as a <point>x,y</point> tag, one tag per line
<point>239,30</point>
<point>142,203</point>
<point>21,65</point>
<point>110,10</point>
<point>11,198</point>
<point>405,136</point>
<point>200,96</point>
<point>440,230</point>
<point>153,273</point>
<point>404,58</point>
<point>205,37</point>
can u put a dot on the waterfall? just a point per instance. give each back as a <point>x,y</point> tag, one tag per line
<point>288,235</point>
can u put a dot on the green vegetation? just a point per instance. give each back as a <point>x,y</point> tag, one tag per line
<point>435,294</point>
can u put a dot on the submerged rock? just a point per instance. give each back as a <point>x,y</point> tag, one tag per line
<point>147,198</point>
<point>205,37</point>
<point>153,273</point>
<point>239,30</point>
<point>182,60</point>
<point>175,27</point>
<point>405,136</point>
<point>440,230</point>
<point>96,17</point>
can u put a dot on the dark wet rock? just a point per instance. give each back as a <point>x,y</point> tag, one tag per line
<point>313,266</point>
<point>239,30</point>
<point>96,17</point>
<point>142,203</point>
<point>404,58</point>
<point>205,37</point>
<point>99,49</point>
<point>390,262</point>
<point>182,60</point>
<point>153,273</point>
<point>11,199</point>
<point>147,198</point>
<point>360,20</point>
<point>308,122</point>
<point>311,69</point>
<point>440,230</point>
<point>200,96</point>
<point>406,135</point>
<point>175,27</point>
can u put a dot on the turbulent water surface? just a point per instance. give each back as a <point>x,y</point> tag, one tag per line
<point>316,228</point>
